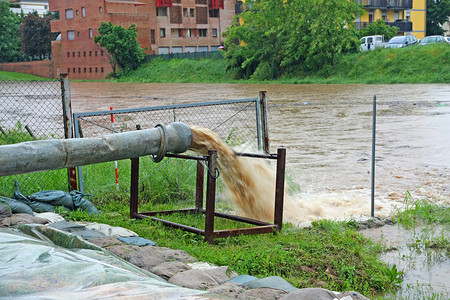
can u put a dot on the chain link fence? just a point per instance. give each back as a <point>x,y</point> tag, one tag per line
<point>237,122</point>
<point>31,110</point>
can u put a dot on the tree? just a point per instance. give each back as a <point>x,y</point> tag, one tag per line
<point>123,49</point>
<point>36,36</point>
<point>438,12</point>
<point>9,38</point>
<point>276,37</point>
<point>379,27</point>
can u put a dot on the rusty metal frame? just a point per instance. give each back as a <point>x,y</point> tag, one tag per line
<point>209,233</point>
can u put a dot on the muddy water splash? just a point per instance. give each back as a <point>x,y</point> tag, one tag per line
<point>249,183</point>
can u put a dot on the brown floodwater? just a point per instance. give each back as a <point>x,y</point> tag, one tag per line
<point>326,130</point>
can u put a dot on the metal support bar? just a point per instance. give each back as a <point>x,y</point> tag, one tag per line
<point>279,188</point>
<point>199,186</point>
<point>209,233</point>
<point>264,121</point>
<point>134,187</point>
<point>374,123</point>
<point>68,124</point>
<point>210,196</point>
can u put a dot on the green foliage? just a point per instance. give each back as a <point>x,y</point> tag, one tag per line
<point>123,49</point>
<point>9,38</point>
<point>272,38</point>
<point>36,36</point>
<point>379,27</point>
<point>438,12</point>
<point>421,212</point>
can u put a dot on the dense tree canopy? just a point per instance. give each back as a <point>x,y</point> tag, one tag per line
<point>275,37</point>
<point>379,27</point>
<point>438,12</point>
<point>9,37</point>
<point>123,49</point>
<point>36,36</point>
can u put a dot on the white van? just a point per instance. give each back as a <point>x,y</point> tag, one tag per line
<point>371,42</point>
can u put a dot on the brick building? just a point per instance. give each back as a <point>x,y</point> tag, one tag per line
<point>165,26</point>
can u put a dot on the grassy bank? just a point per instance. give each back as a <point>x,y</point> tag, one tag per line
<point>416,64</point>
<point>329,254</point>
<point>8,76</point>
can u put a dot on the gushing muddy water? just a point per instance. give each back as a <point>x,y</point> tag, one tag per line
<point>326,130</point>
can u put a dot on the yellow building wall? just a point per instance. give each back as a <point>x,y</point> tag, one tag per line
<point>418,18</point>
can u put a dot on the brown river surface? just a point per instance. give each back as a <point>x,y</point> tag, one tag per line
<point>326,130</point>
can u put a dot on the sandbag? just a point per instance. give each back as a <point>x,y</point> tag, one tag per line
<point>17,206</point>
<point>55,198</point>
<point>40,207</point>
<point>5,210</point>
<point>82,203</point>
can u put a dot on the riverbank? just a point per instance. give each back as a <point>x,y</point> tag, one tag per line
<point>415,64</point>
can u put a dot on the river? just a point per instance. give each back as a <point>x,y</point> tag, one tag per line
<point>326,130</point>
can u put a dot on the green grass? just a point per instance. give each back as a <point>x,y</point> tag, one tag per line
<point>7,76</point>
<point>415,64</point>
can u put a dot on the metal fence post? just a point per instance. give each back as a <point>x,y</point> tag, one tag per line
<point>210,196</point>
<point>374,123</point>
<point>68,124</point>
<point>264,121</point>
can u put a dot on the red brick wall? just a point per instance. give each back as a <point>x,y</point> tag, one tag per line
<point>43,68</point>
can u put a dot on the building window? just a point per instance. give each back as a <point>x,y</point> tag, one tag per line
<point>152,36</point>
<point>192,12</point>
<point>90,70</point>
<point>74,70</point>
<point>202,32</point>
<point>213,13</point>
<point>79,54</point>
<point>78,34</point>
<point>96,52</point>
<point>84,69</point>
<point>83,12</point>
<point>68,70</point>
<point>161,11</point>
<point>90,33</point>
<point>79,70</point>
<point>70,35</point>
<point>101,53</point>
<point>84,53</point>
<point>77,12</point>
<point>214,32</point>
<point>102,70</point>
<point>162,32</point>
<point>69,14</point>
<point>68,54</point>
<point>100,9</point>
<point>73,54</point>
<point>96,70</point>
<point>90,53</point>
<point>185,12</point>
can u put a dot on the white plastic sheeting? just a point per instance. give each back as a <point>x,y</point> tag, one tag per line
<point>35,269</point>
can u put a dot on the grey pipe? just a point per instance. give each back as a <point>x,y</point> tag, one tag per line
<point>58,154</point>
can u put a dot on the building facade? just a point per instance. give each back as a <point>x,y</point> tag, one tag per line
<point>28,6</point>
<point>408,15</point>
<point>164,26</point>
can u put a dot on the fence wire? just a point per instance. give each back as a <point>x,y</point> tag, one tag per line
<point>31,110</point>
<point>234,121</point>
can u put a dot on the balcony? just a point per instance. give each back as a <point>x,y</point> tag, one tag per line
<point>386,4</point>
<point>402,25</point>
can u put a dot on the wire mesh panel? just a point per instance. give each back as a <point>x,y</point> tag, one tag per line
<point>235,121</point>
<point>31,110</point>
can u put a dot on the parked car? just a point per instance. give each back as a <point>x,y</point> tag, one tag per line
<point>371,42</point>
<point>401,41</point>
<point>432,39</point>
<point>447,39</point>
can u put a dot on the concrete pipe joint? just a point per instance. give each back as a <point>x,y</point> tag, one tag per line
<point>58,154</point>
